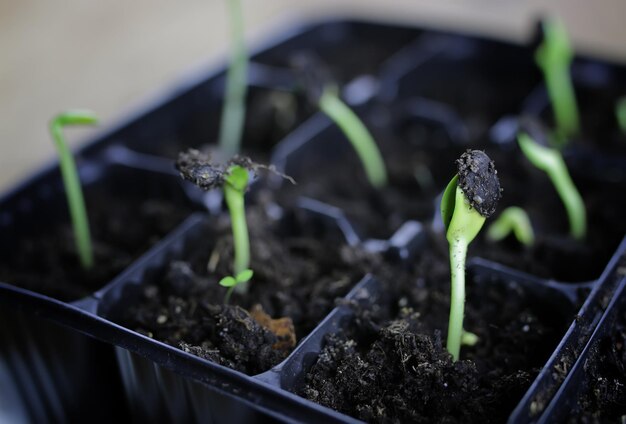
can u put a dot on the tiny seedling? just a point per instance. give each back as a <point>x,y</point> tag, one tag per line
<point>355,131</point>
<point>470,198</point>
<point>512,220</point>
<point>73,190</point>
<point>234,109</point>
<point>322,93</point>
<point>231,282</point>
<point>554,57</point>
<point>620,113</point>
<point>232,178</point>
<point>551,162</point>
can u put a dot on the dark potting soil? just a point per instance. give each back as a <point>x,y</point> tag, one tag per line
<point>604,397</point>
<point>121,229</point>
<point>300,268</point>
<point>413,181</point>
<point>555,254</point>
<point>599,127</point>
<point>270,115</point>
<point>389,364</point>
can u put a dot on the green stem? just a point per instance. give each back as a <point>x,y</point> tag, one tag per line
<point>71,181</point>
<point>512,219</point>
<point>236,207</point>
<point>359,136</point>
<point>234,110</point>
<point>551,162</point>
<point>620,113</point>
<point>458,253</point>
<point>570,197</point>
<point>229,293</point>
<point>561,92</point>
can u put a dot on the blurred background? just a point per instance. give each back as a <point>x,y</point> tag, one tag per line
<point>111,56</point>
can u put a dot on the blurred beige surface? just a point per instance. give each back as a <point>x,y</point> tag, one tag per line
<point>111,55</point>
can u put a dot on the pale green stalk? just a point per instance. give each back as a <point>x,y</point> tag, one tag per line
<point>512,219</point>
<point>71,181</point>
<point>551,162</point>
<point>234,110</point>
<point>234,191</point>
<point>359,136</point>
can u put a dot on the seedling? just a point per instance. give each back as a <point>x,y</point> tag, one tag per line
<point>73,190</point>
<point>231,282</point>
<point>234,110</point>
<point>323,93</point>
<point>233,179</point>
<point>620,113</point>
<point>470,198</point>
<point>512,220</point>
<point>551,162</point>
<point>356,132</point>
<point>554,57</point>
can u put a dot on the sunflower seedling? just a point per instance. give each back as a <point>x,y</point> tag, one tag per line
<point>233,179</point>
<point>234,109</point>
<point>471,196</point>
<point>551,162</point>
<point>73,190</point>
<point>554,57</point>
<point>512,220</point>
<point>324,94</point>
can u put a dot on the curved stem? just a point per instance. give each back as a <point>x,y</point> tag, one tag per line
<point>563,100</point>
<point>71,181</point>
<point>236,207</point>
<point>234,110</point>
<point>359,136</point>
<point>570,197</point>
<point>458,253</point>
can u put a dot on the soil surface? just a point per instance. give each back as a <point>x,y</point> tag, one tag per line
<point>604,397</point>
<point>555,254</point>
<point>300,267</point>
<point>389,364</point>
<point>421,160</point>
<point>122,228</point>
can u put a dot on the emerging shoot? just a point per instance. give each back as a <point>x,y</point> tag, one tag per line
<point>233,281</point>
<point>554,57</point>
<point>323,93</point>
<point>233,179</point>
<point>470,198</point>
<point>620,113</point>
<point>73,190</point>
<point>234,110</point>
<point>512,220</point>
<point>551,162</point>
<point>356,132</point>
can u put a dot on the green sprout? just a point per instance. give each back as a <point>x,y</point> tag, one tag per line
<point>470,198</point>
<point>234,281</point>
<point>551,162</point>
<point>554,57</point>
<point>71,181</point>
<point>620,113</point>
<point>234,190</point>
<point>234,110</point>
<point>361,139</point>
<point>512,220</point>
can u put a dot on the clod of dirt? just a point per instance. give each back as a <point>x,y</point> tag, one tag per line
<point>478,178</point>
<point>282,327</point>
<point>196,166</point>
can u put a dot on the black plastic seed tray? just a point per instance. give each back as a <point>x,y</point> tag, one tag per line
<point>65,356</point>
